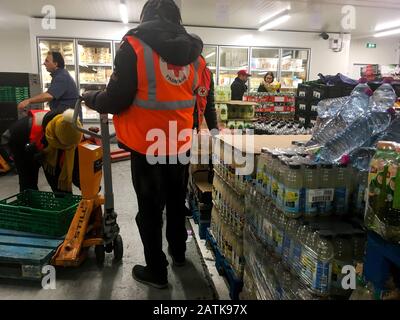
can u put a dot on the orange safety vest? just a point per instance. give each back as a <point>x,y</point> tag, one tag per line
<point>37,132</point>
<point>202,94</point>
<point>160,120</point>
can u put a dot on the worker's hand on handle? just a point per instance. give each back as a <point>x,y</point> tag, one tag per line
<point>23,104</point>
<point>89,97</point>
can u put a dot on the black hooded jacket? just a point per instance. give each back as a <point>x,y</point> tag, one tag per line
<point>170,41</point>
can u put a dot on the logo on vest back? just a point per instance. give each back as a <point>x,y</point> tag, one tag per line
<point>202,92</point>
<point>175,75</point>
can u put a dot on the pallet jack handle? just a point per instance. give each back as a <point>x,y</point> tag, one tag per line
<point>105,137</point>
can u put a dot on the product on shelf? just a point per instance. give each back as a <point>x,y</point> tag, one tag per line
<point>279,127</point>
<point>311,253</point>
<point>222,93</point>
<point>300,187</point>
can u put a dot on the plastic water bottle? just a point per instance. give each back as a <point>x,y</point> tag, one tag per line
<point>384,97</point>
<point>357,104</point>
<point>296,249</point>
<point>358,244</point>
<point>343,256</point>
<point>290,233</point>
<point>329,107</point>
<point>279,232</point>
<point>323,271</point>
<point>362,86</point>
<point>355,135</point>
<point>350,110</point>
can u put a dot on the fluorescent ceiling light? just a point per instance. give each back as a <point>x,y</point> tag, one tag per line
<point>274,22</point>
<point>123,11</point>
<point>210,55</point>
<point>387,33</point>
<point>387,25</point>
<point>275,15</point>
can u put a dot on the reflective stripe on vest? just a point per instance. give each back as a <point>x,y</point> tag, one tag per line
<point>37,132</point>
<point>165,105</point>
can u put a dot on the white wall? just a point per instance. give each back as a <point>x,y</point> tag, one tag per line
<point>15,51</point>
<point>387,52</point>
<point>320,53</point>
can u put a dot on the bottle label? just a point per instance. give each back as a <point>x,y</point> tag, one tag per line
<point>280,196</point>
<point>292,200</point>
<point>311,205</point>
<point>322,277</point>
<point>320,195</point>
<point>307,265</point>
<point>325,205</point>
<point>341,200</point>
<point>295,257</point>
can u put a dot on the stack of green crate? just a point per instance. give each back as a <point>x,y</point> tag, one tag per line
<point>13,94</point>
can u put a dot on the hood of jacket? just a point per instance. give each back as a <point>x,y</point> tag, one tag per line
<point>170,41</point>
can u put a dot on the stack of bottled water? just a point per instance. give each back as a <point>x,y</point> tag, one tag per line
<point>280,127</point>
<point>358,119</point>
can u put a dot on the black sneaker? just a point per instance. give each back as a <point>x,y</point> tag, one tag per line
<point>177,261</point>
<point>144,275</point>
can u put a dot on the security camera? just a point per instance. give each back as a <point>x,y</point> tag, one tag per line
<point>324,36</point>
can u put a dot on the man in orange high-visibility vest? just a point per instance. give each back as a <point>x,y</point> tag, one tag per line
<point>152,96</point>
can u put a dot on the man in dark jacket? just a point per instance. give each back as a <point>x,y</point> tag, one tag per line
<point>238,86</point>
<point>156,185</point>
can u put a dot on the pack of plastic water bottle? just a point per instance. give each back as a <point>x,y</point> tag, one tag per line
<point>346,124</point>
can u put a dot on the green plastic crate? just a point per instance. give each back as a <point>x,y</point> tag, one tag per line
<point>39,212</point>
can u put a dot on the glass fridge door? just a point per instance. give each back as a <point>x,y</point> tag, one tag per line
<point>294,68</point>
<point>263,60</point>
<point>95,69</point>
<point>231,60</point>
<point>66,48</point>
<point>210,54</point>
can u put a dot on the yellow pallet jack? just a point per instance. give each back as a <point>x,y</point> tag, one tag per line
<point>91,227</point>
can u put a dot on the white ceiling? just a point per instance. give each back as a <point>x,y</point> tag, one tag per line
<point>306,15</point>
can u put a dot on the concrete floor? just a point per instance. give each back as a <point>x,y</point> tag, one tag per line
<point>113,281</point>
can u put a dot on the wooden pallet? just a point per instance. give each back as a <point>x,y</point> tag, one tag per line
<point>22,254</point>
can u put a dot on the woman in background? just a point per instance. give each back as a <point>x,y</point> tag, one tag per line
<point>269,84</point>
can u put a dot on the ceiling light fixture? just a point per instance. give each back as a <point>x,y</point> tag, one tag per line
<point>276,14</point>
<point>275,20</point>
<point>123,11</point>
<point>387,25</point>
<point>210,55</point>
<point>387,33</point>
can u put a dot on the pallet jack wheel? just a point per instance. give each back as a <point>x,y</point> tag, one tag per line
<point>100,252</point>
<point>118,248</point>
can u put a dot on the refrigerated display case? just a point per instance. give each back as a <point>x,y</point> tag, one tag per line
<point>95,69</point>
<point>263,60</point>
<point>66,47</point>
<point>293,68</point>
<point>210,55</point>
<point>231,60</point>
